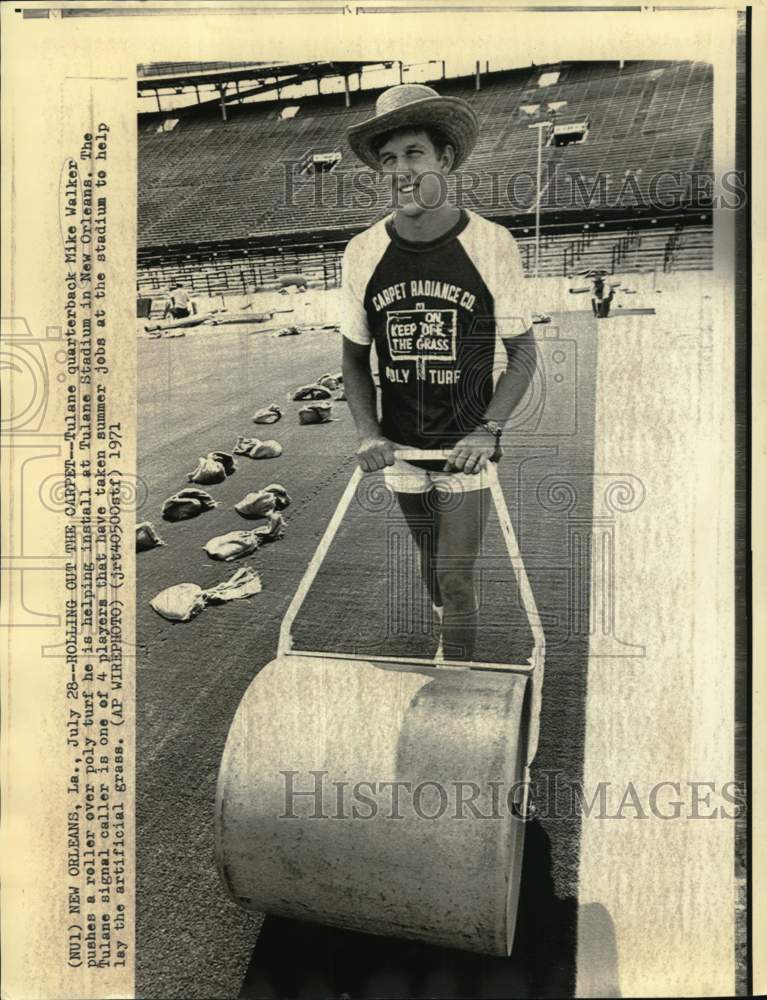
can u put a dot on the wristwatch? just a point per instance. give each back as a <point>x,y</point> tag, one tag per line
<point>494,428</point>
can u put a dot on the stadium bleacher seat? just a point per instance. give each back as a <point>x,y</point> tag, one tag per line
<point>223,185</point>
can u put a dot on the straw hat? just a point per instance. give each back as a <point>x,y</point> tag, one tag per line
<point>414,104</point>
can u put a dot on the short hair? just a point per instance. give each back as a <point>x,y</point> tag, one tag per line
<point>436,136</point>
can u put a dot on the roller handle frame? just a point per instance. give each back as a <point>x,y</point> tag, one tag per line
<point>285,645</point>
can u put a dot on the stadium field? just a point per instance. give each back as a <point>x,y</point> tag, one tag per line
<point>198,395</point>
<point>606,394</point>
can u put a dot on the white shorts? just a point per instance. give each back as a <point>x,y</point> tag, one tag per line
<point>404,477</point>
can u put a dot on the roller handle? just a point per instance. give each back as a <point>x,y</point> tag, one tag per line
<point>421,454</point>
<point>512,548</point>
<point>433,454</point>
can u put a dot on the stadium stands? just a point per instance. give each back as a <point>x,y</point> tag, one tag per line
<point>233,186</point>
<point>622,251</point>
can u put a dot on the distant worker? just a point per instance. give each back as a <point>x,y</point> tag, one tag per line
<point>602,293</point>
<point>179,304</point>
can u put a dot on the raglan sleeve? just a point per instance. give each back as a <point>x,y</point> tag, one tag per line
<point>514,298</point>
<point>354,321</point>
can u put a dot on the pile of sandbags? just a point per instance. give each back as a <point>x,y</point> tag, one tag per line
<point>183,601</point>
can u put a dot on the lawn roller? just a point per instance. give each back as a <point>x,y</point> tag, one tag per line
<point>383,794</point>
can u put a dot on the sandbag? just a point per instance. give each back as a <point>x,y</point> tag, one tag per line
<point>146,537</point>
<point>281,496</point>
<point>289,331</point>
<point>266,449</point>
<point>329,381</point>
<point>257,504</point>
<point>183,601</point>
<point>273,530</point>
<point>208,471</point>
<point>315,413</point>
<point>255,448</point>
<point>244,583</point>
<point>187,503</point>
<point>228,461</point>
<point>179,603</point>
<point>269,415</point>
<point>232,545</point>
<point>312,391</point>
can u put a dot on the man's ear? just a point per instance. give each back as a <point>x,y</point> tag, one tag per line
<point>448,158</point>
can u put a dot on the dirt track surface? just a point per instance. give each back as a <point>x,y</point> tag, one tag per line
<point>197,395</point>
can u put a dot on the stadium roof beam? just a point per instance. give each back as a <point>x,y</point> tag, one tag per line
<point>266,76</point>
<point>251,71</point>
<point>222,100</point>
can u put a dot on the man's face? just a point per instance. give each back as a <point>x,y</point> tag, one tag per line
<point>416,169</point>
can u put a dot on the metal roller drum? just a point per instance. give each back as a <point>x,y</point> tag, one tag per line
<point>436,859</point>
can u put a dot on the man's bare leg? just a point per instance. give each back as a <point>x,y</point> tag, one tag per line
<point>460,527</point>
<point>421,518</point>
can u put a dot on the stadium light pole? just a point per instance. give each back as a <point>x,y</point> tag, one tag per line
<point>540,126</point>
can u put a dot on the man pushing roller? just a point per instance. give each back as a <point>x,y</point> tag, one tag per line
<point>433,286</point>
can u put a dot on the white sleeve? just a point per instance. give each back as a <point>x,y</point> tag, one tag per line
<point>354,321</point>
<point>513,298</point>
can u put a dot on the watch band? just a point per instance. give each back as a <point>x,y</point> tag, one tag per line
<point>494,428</point>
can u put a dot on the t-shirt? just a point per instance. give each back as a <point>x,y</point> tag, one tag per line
<point>434,311</point>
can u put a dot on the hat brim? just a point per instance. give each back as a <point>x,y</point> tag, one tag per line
<point>451,115</point>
